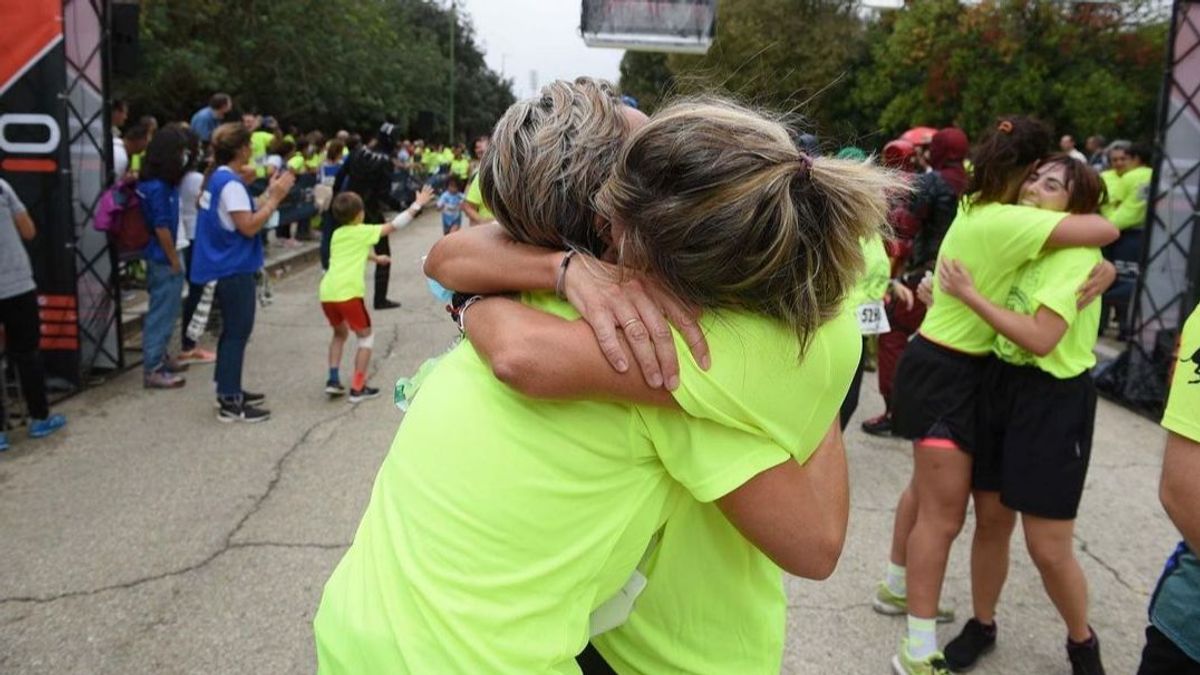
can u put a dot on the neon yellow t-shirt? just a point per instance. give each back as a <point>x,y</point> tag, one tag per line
<point>497,523</point>
<point>349,250</point>
<point>475,196</point>
<point>1135,193</point>
<point>1183,403</point>
<point>431,160</point>
<point>992,241</point>
<point>877,273</point>
<point>447,156</point>
<point>260,141</point>
<point>314,161</point>
<point>713,602</point>
<point>1115,189</point>
<point>135,162</point>
<point>296,163</point>
<point>1051,281</point>
<point>460,167</point>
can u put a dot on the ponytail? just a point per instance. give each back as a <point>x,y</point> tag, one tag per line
<point>719,203</point>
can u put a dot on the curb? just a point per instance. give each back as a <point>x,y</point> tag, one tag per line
<point>278,267</point>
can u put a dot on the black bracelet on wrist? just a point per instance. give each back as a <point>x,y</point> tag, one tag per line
<point>560,282</point>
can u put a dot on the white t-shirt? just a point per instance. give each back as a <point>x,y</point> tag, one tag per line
<point>1077,155</point>
<point>233,199</point>
<point>189,193</point>
<point>275,161</point>
<point>120,158</point>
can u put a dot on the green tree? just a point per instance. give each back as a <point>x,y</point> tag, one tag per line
<point>315,64</point>
<point>864,78</point>
<point>646,77</point>
<point>784,54</point>
<point>1083,68</point>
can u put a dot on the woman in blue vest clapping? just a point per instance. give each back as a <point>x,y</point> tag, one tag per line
<point>229,251</point>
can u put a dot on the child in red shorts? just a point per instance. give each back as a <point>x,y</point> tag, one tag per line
<point>342,288</point>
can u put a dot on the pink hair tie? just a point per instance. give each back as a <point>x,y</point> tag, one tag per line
<point>1005,127</point>
<point>805,163</point>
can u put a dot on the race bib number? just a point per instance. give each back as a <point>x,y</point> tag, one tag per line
<point>872,320</point>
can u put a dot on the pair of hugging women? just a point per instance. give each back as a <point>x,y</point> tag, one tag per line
<point>533,490</point>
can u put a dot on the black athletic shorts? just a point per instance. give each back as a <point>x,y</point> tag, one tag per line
<point>1034,439</point>
<point>933,399</point>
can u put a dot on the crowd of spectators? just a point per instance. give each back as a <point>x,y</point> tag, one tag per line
<point>283,184</point>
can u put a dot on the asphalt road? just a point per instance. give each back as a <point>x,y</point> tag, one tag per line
<point>148,538</point>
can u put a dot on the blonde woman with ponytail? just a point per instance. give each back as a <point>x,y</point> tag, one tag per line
<point>712,204</point>
<point>501,524</point>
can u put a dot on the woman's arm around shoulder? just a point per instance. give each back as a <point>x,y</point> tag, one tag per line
<point>797,515</point>
<point>548,357</point>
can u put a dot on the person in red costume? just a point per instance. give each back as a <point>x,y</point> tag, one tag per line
<point>919,223</point>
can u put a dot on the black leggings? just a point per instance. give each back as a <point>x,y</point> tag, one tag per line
<point>592,663</point>
<point>1160,656</point>
<point>19,314</point>
<point>195,291</point>
<point>382,272</point>
<point>850,403</point>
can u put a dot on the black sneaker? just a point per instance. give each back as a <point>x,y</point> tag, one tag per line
<point>1085,658</point>
<point>241,412</point>
<point>386,304</point>
<point>974,641</point>
<point>247,396</point>
<point>878,426</point>
<point>363,394</point>
<point>334,389</point>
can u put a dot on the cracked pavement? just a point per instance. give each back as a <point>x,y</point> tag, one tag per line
<point>149,538</point>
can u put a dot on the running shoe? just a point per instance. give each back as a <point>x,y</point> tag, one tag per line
<point>4,441</point>
<point>241,412</point>
<point>878,426</point>
<point>903,664</point>
<point>386,304</point>
<point>247,397</point>
<point>43,428</point>
<point>363,394</point>
<point>173,366</point>
<point>161,379</point>
<point>975,641</point>
<point>334,389</point>
<point>888,603</point>
<point>1085,658</point>
<point>196,356</point>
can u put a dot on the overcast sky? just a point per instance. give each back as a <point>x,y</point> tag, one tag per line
<point>543,35</point>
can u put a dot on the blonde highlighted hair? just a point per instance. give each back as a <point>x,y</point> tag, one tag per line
<point>716,200</point>
<point>547,159</point>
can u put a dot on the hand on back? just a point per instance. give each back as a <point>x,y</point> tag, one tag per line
<point>610,299</point>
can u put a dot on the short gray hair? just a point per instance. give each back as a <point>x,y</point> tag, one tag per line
<point>548,157</point>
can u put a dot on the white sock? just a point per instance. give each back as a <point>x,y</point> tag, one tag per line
<point>895,580</point>
<point>922,637</point>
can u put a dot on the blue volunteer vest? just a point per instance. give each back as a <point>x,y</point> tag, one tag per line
<point>217,252</point>
<point>1175,605</point>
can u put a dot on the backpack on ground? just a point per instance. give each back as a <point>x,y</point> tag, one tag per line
<point>119,214</point>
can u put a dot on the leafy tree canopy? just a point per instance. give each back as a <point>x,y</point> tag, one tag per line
<point>866,77</point>
<point>314,64</point>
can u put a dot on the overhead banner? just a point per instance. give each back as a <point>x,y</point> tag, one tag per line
<point>35,161</point>
<point>650,25</point>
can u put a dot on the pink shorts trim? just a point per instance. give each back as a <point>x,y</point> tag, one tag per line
<point>939,443</point>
